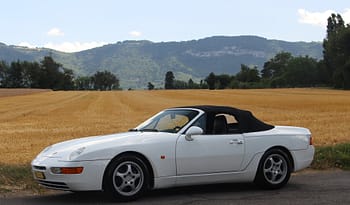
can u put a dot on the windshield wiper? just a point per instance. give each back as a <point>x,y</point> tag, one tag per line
<point>148,130</point>
<point>143,130</point>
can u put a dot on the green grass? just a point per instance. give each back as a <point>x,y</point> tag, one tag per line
<point>19,177</point>
<point>336,156</point>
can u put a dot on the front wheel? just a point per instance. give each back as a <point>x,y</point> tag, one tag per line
<point>126,178</point>
<point>274,170</point>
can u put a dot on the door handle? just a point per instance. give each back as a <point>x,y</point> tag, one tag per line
<point>236,141</point>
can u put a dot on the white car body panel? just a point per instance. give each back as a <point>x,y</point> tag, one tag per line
<point>209,154</point>
<point>174,160</point>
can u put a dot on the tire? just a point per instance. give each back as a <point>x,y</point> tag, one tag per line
<point>127,178</point>
<point>274,170</point>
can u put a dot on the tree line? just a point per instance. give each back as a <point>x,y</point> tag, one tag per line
<point>285,70</point>
<point>49,74</point>
<point>281,71</point>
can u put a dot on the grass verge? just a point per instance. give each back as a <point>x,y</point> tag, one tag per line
<point>17,178</point>
<point>336,156</point>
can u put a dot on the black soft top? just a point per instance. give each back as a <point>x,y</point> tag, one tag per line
<point>246,120</point>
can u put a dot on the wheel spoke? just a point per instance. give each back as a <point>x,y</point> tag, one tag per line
<point>268,170</point>
<point>273,177</point>
<point>268,165</point>
<point>132,185</point>
<point>122,185</point>
<point>279,162</point>
<point>278,170</point>
<point>129,169</point>
<point>136,176</point>
<point>121,175</point>
<point>128,178</point>
<point>275,168</point>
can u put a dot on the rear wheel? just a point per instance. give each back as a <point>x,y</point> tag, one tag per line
<point>127,178</point>
<point>274,170</point>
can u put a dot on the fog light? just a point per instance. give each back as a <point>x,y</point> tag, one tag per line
<point>56,170</point>
<point>67,170</point>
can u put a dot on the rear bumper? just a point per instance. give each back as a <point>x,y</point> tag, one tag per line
<point>303,158</point>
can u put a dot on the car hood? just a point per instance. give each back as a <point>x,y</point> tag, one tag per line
<point>96,147</point>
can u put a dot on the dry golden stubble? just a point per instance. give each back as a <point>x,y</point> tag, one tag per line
<point>29,123</point>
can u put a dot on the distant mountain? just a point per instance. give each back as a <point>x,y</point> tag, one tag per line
<point>139,62</point>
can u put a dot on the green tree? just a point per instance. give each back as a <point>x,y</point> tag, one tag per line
<point>301,72</point>
<point>50,75</point>
<point>105,80</point>
<point>178,84</point>
<point>16,75</point>
<point>336,53</point>
<point>32,72</point>
<point>222,81</point>
<point>67,79</point>
<point>47,74</point>
<point>203,85</point>
<point>324,76</point>
<point>191,84</point>
<point>150,86</point>
<point>211,79</point>
<point>83,83</point>
<point>169,80</point>
<point>247,74</point>
<point>4,68</point>
<point>276,66</point>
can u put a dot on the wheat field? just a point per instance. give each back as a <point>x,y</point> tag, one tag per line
<point>29,123</point>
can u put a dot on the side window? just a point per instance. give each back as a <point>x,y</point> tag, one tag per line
<point>169,122</point>
<point>225,124</point>
<point>202,123</point>
<point>229,118</point>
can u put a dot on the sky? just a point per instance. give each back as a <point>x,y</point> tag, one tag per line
<point>75,25</point>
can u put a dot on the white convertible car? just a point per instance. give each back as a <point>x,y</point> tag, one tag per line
<point>177,147</point>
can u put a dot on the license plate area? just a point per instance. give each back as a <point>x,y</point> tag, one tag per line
<point>39,175</point>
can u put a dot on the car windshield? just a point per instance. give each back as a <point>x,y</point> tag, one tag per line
<point>170,121</point>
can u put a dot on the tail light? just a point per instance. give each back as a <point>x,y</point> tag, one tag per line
<point>311,142</point>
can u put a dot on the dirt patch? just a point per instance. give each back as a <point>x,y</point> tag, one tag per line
<point>7,92</point>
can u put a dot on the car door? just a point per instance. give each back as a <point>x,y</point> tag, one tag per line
<point>209,153</point>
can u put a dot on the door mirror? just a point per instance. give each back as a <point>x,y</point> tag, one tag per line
<point>194,130</point>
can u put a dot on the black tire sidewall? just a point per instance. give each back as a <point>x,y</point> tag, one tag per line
<point>260,179</point>
<point>108,181</point>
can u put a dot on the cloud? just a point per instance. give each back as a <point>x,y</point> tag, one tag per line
<point>346,15</point>
<point>320,18</point>
<point>314,18</point>
<point>135,33</point>
<point>71,47</point>
<point>55,32</point>
<point>67,47</point>
<point>26,44</point>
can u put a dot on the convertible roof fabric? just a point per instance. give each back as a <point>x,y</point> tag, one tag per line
<point>246,120</point>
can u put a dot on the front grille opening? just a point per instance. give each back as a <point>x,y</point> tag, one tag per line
<point>53,185</point>
<point>42,168</point>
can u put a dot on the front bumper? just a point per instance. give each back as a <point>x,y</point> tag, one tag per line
<point>90,179</point>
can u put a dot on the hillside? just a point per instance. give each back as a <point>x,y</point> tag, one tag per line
<point>139,62</point>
